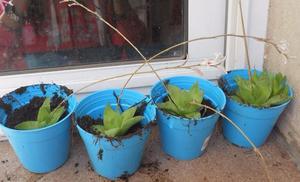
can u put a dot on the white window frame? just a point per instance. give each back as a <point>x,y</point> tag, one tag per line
<point>201,22</point>
<point>256,19</point>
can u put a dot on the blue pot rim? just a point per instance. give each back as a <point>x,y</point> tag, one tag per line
<point>108,90</point>
<point>198,78</point>
<point>107,138</point>
<point>291,93</point>
<point>44,128</point>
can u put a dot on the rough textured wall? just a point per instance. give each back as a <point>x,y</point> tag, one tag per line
<point>284,24</point>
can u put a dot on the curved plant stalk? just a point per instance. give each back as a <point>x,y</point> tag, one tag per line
<point>181,66</point>
<point>76,3</point>
<point>245,41</point>
<point>259,39</point>
<point>256,150</point>
<point>146,61</point>
<point>184,66</point>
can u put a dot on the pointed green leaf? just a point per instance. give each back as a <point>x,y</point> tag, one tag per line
<point>264,90</point>
<point>55,115</point>
<point>129,113</point>
<point>194,115</point>
<point>29,125</point>
<point>112,132</point>
<point>276,100</point>
<point>279,84</point>
<point>187,102</point>
<point>129,123</point>
<point>44,111</point>
<point>111,119</point>
<point>168,106</point>
<point>175,94</point>
<point>196,93</point>
<point>195,89</point>
<point>244,91</point>
<point>236,98</point>
<point>115,123</point>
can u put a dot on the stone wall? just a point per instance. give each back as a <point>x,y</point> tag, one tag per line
<point>284,24</point>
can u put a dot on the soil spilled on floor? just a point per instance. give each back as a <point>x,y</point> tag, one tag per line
<point>154,171</point>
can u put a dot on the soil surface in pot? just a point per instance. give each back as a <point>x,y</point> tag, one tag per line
<point>29,112</point>
<point>223,85</point>
<point>43,87</point>
<point>204,112</point>
<point>86,123</point>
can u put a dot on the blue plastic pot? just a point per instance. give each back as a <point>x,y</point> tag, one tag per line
<point>182,138</point>
<point>39,150</point>
<point>112,159</point>
<point>257,123</point>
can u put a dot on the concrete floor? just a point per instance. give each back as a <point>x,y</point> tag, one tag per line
<point>221,162</point>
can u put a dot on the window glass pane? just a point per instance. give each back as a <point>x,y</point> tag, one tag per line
<point>47,34</point>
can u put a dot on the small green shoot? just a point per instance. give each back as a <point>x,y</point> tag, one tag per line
<point>45,117</point>
<point>115,123</point>
<point>180,102</point>
<point>264,90</point>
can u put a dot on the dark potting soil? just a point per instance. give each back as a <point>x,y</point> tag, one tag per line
<point>89,167</point>
<point>207,112</point>
<point>223,85</point>
<point>43,89</point>
<point>125,176</point>
<point>65,90</point>
<point>151,166</point>
<point>86,123</point>
<point>7,107</point>
<point>29,111</point>
<point>21,90</point>
<point>204,112</point>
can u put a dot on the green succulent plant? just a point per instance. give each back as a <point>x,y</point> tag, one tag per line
<point>45,117</point>
<point>180,102</point>
<point>116,123</point>
<point>263,90</point>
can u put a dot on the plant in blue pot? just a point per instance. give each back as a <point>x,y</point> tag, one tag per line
<point>115,130</point>
<point>36,120</point>
<point>185,126</point>
<point>255,100</point>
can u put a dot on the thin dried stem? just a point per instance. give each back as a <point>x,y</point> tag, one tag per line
<point>76,3</point>
<point>259,39</point>
<point>256,150</point>
<point>245,41</point>
<point>183,66</point>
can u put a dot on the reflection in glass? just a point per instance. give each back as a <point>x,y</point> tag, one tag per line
<point>44,34</point>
